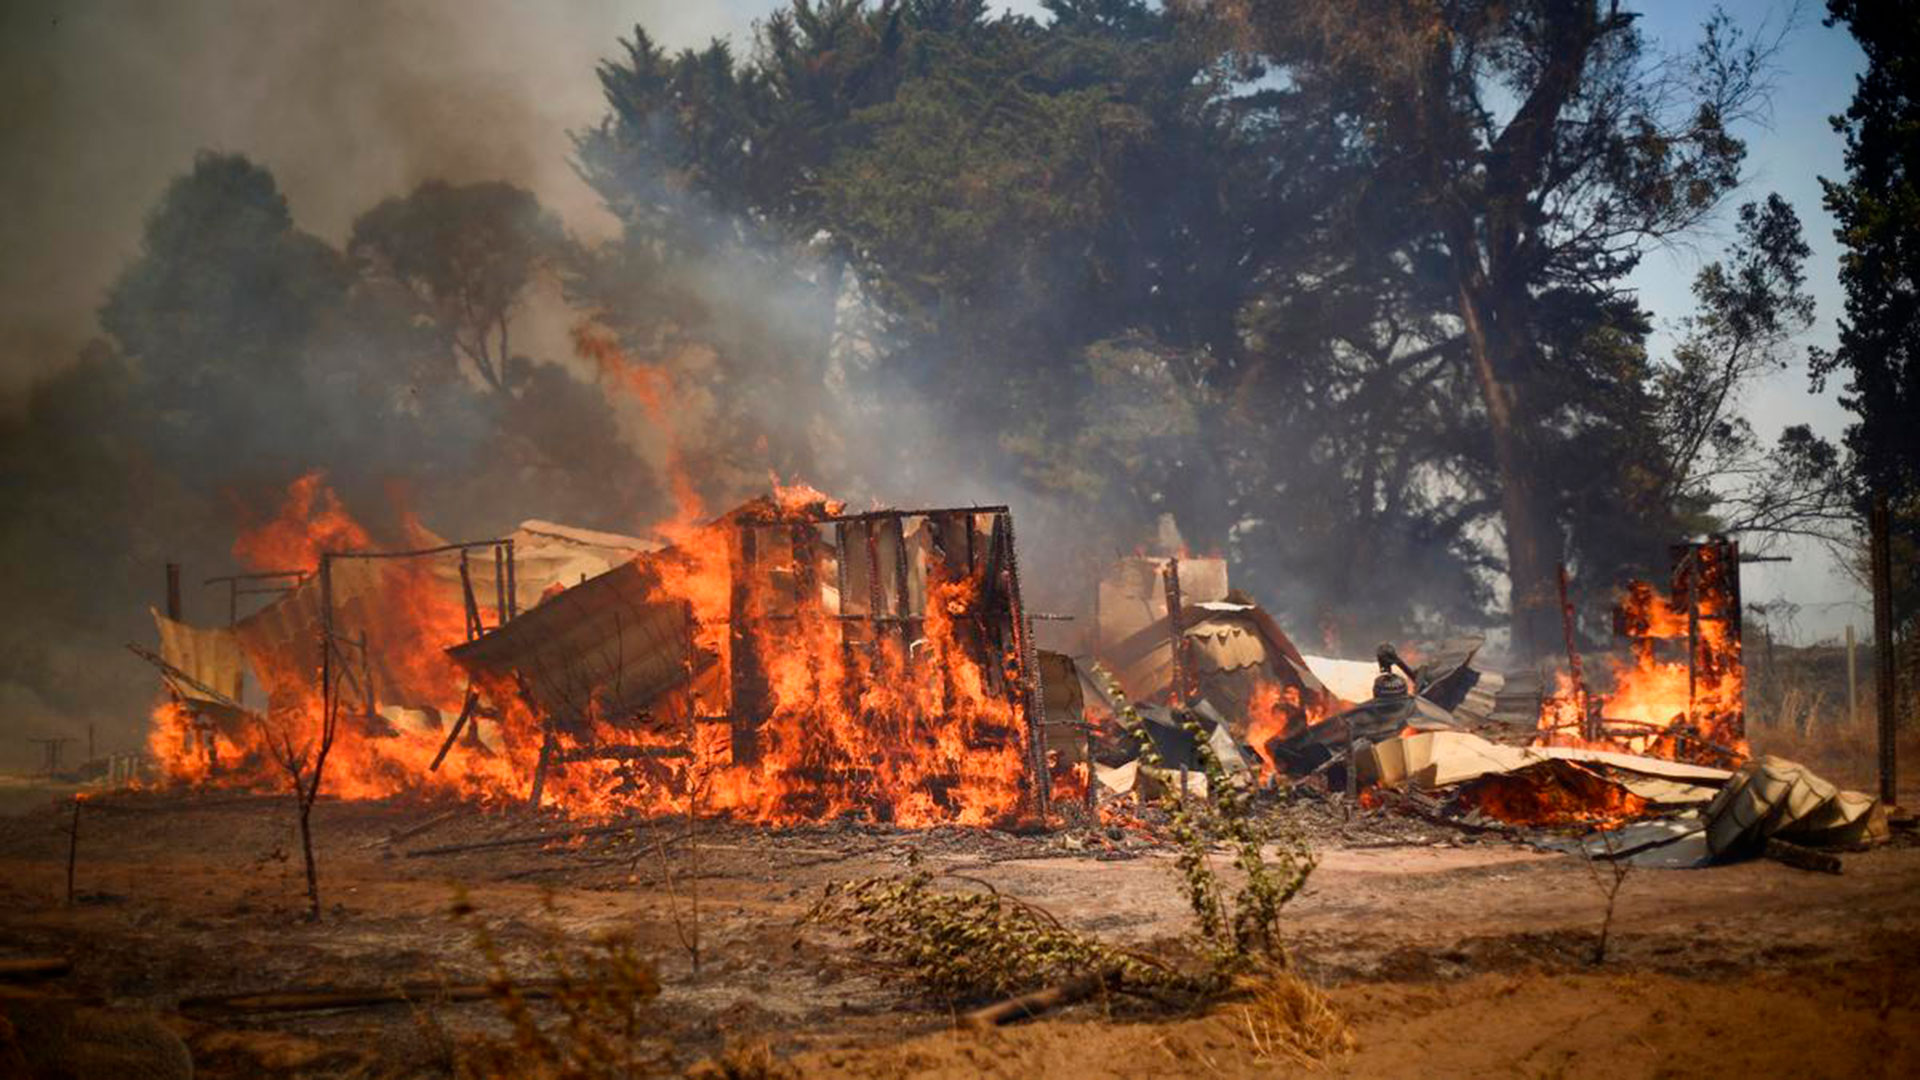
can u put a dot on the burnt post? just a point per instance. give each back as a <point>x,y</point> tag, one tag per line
<point>840,579</point>
<point>173,591</point>
<point>1573,658</point>
<point>746,706</point>
<point>513,598</point>
<point>876,593</point>
<point>1177,638</point>
<point>499,585</point>
<point>1880,547</point>
<point>902,591</point>
<point>466,592</point>
<point>73,847</point>
<point>1035,694</point>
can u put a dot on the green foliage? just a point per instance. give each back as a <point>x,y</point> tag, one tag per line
<point>1240,932</point>
<point>466,254</point>
<point>1877,210</point>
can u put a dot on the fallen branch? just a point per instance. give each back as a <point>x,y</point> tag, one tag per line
<point>416,829</point>
<point>516,841</point>
<point>361,997</point>
<point>1032,1004</point>
<point>21,969</point>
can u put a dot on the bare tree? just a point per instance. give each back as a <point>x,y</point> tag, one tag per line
<point>1609,882</point>
<point>302,753</point>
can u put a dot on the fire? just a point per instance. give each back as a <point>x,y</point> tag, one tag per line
<point>905,720</point>
<point>1679,692</point>
<point>1276,711</point>
<point>1563,795</point>
<point>311,520</point>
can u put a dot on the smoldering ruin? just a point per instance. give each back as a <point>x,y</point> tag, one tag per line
<point>924,541</point>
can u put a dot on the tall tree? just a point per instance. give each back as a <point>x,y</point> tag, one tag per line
<point>467,254</point>
<point>1877,210</point>
<point>1547,150</point>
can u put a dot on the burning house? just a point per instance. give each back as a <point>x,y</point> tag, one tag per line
<point>787,661</point>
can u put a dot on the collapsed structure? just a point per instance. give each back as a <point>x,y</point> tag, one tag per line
<point>789,661</point>
<point>786,661</point>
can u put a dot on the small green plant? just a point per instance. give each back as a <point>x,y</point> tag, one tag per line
<point>974,945</point>
<point>1239,933</point>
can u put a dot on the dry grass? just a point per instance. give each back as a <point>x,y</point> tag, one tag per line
<point>594,1026</point>
<point>1797,709</point>
<point>1288,1019</point>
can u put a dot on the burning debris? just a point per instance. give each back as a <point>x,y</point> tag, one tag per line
<point>789,661</point>
<point>1680,694</point>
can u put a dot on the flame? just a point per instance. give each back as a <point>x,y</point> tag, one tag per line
<point>906,721</point>
<point>1561,795</point>
<point>1684,707</point>
<point>1276,711</point>
<point>311,520</point>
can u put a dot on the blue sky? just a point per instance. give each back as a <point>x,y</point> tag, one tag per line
<point>1814,80</point>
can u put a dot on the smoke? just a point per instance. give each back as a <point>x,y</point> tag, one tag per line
<point>345,105</point>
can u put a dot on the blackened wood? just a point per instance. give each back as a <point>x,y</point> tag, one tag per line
<point>73,848</point>
<point>24,968</point>
<point>1802,858</point>
<point>746,706</point>
<point>466,714</point>
<point>1028,1005</point>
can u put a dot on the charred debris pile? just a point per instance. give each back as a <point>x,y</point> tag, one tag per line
<point>791,662</point>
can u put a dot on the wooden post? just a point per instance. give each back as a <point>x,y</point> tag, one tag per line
<point>1176,640</point>
<point>747,684</point>
<point>73,848</point>
<point>173,591</point>
<point>466,591</point>
<point>1853,682</point>
<point>902,600</point>
<point>499,585</point>
<point>1880,528</point>
<point>1091,800</point>
<point>1590,721</point>
<point>513,598</point>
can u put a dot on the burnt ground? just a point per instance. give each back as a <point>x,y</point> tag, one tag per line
<point>1453,954</point>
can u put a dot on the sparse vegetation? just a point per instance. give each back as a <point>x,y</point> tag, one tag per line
<point>589,1027</point>
<point>973,945</point>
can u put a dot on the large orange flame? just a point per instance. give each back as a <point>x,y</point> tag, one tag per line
<point>1678,694</point>
<point>915,719</point>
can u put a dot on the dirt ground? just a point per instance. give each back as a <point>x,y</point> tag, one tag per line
<point>1452,955</point>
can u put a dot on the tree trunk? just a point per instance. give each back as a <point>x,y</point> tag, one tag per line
<point>306,849</point>
<point>1531,566</point>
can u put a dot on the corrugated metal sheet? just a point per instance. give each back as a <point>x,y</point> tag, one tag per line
<point>210,656</point>
<point>605,645</point>
<point>545,555</point>
<point>283,639</point>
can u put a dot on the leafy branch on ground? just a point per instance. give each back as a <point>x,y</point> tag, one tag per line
<point>965,946</point>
